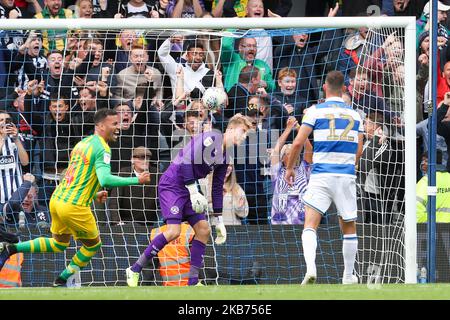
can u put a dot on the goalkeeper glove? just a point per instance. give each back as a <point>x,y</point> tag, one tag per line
<point>198,201</point>
<point>221,231</point>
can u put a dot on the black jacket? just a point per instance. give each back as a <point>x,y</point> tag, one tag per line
<point>386,161</point>
<point>150,122</point>
<point>250,169</point>
<point>415,8</point>
<point>238,97</point>
<point>135,203</point>
<point>57,139</point>
<point>121,149</point>
<point>62,86</point>
<point>298,103</point>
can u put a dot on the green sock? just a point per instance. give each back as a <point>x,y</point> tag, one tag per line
<point>41,245</point>
<point>80,260</point>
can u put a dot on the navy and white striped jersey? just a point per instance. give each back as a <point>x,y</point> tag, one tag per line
<point>287,204</point>
<point>33,68</point>
<point>336,127</point>
<point>10,170</point>
<point>4,12</point>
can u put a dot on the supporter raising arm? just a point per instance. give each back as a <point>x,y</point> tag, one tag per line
<point>196,74</point>
<point>233,62</point>
<point>287,203</point>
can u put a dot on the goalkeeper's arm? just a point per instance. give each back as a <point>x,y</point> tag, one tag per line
<point>217,200</point>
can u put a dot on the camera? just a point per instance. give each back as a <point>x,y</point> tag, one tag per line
<point>8,123</point>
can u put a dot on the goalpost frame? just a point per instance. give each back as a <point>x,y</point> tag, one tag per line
<point>408,23</point>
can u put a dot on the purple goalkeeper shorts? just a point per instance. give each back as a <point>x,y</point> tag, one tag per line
<point>175,203</point>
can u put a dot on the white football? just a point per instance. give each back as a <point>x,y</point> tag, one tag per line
<point>214,98</point>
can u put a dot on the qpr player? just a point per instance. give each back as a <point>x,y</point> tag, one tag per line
<point>338,140</point>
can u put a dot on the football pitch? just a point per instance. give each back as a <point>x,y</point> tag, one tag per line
<point>228,292</point>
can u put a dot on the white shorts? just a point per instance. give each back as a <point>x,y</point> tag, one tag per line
<point>323,189</point>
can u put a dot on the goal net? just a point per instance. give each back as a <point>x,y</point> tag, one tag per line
<point>379,93</point>
<point>154,75</point>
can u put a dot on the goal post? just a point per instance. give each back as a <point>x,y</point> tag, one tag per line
<point>408,24</point>
<point>410,152</point>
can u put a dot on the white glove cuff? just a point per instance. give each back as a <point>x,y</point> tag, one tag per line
<point>192,188</point>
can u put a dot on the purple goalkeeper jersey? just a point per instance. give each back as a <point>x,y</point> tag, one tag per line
<point>203,154</point>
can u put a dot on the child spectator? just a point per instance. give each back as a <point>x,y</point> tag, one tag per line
<point>185,8</point>
<point>25,199</point>
<point>84,9</point>
<point>287,203</point>
<point>288,95</point>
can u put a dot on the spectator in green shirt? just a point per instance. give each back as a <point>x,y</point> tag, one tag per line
<point>234,62</point>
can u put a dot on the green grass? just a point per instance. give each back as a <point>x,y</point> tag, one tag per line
<point>263,292</point>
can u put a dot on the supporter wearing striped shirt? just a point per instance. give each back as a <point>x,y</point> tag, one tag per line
<point>28,61</point>
<point>287,204</point>
<point>89,169</point>
<point>12,157</point>
<point>8,10</point>
<point>338,140</point>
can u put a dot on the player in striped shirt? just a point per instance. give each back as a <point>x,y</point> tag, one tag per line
<point>89,169</point>
<point>338,140</point>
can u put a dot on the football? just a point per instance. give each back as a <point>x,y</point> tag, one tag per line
<point>214,98</point>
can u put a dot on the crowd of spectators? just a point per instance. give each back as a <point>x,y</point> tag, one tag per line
<point>53,81</point>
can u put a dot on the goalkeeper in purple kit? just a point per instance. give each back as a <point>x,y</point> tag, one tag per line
<point>180,199</point>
